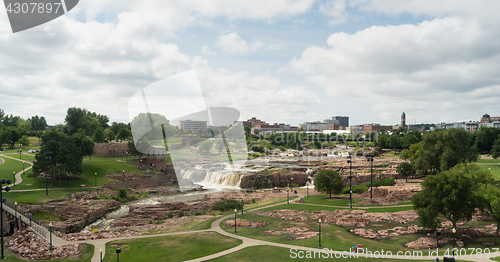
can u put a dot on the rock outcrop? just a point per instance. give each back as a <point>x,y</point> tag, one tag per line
<point>32,247</point>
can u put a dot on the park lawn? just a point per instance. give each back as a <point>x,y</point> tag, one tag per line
<point>332,236</point>
<point>279,254</point>
<point>84,257</point>
<point>170,248</point>
<point>9,166</point>
<point>38,197</point>
<point>493,164</point>
<point>325,200</point>
<point>192,226</point>
<point>100,165</point>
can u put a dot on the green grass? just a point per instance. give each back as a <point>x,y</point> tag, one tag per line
<point>100,165</point>
<point>344,202</point>
<point>85,257</point>
<point>279,254</point>
<point>9,166</point>
<point>45,215</point>
<point>38,197</point>
<point>493,164</point>
<point>170,248</point>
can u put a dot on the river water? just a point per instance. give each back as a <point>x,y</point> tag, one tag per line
<point>225,180</point>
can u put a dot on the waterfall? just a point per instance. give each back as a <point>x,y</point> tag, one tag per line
<point>219,178</point>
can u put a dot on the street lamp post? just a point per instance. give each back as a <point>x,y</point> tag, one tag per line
<point>100,250</point>
<point>118,251</point>
<point>20,151</point>
<point>153,169</point>
<point>123,176</point>
<point>15,208</point>
<point>47,157</point>
<point>235,220</point>
<point>287,196</point>
<point>242,205</point>
<point>454,231</point>
<point>370,159</point>
<point>50,231</point>
<point>319,220</point>
<point>350,180</point>
<point>95,179</point>
<point>291,183</point>
<point>438,233</point>
<point>7,189</point>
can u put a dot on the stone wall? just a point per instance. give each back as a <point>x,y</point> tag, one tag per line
<point>272,179</point>
<point>110,150</point>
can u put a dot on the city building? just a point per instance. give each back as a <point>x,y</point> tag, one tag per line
<point>487,119</point>
<point>403,120</point>
<point>258,126</point>
<point>193,126</point>
<point>377,128</point>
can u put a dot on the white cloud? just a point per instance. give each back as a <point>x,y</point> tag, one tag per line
<point>233,44</point>
<point>336,10</point>
<point>206,50</point>
<point>430,67</point>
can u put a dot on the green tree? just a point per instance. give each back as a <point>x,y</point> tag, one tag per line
<point>485,138</point>
<point>410,153</point>
<point>328,181</point>
<point>451,193</point>
<point>98,136</point>
<point>495,150</point>
<point>443,149</point>
<point>405,170</point>
<point>38,123</point>
<point>205,146</point>
<point>490,196</point>
<point>109,135</point>
<point>219,145</point>
<point>67,154</point>
<point>394,142</point>
<point>24,141</point>
<point>124,134</point>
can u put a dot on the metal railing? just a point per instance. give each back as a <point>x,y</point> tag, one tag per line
<point>29,220</point>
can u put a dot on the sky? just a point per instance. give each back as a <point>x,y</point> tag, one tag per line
<point>286,61</point>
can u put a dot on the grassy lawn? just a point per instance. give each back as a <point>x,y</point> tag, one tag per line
<point>100,165</point>
<point>85,257</point>
<point>492,164</point>
<point>278,254</point>
<point>344,202</point>
<point>170,248</point>
<point>333,237</point>
<point>9,166</point>
<point>38,197</point>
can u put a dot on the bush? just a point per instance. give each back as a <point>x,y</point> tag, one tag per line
<point>226,205</point>
<point>122,192</point>
<point>382,182</point>
<point>170,215</point>
<point>180,214</point>
<point>357,189</point>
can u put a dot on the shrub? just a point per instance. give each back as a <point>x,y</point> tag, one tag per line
<point>180,214</point>
<point>170,215</point>
<point>226,205</point>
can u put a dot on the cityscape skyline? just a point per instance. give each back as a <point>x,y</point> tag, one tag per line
<point>292,62</point>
